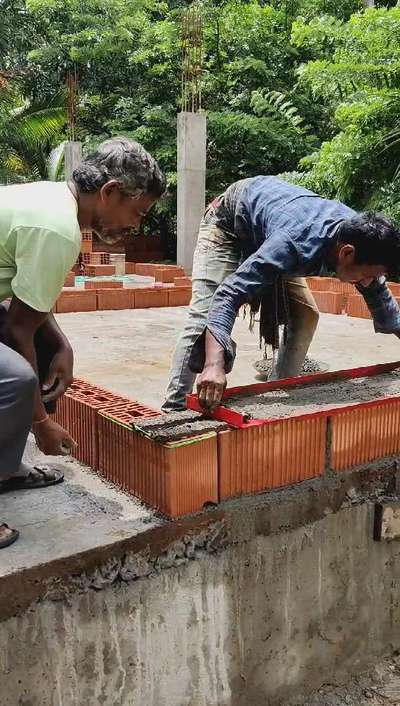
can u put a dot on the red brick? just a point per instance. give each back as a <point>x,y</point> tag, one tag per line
<point>96,258</point>
<point>330,302</point>
<point>87,235</point>
<point>150,297</point>
<point>146,269</point>
<point>70,279</point>
<point>78,413</point>
<point>183,282</point>
<point>330,284</point>
<point>394,288</point>
<point>270,456</point>
<point>114,299</point>
<point>356,306</point>
<point>364,434</point>
<point>103,284</point>
<point>99,270</point>
<point>168,274</point>
<point>86,246</point>
<point>76,300</point>
<point>174,479</point>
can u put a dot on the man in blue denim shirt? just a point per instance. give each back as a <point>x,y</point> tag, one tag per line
<point>280,231</point>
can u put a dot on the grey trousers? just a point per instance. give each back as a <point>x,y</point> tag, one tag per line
<point>17,390</point>
<point>216,256</point>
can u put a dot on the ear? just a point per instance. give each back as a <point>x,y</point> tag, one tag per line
<point>346,254</point>
<point>110,189</point>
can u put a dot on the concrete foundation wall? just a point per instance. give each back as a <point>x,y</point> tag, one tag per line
<point>192,130</point>
<point>262,622</point>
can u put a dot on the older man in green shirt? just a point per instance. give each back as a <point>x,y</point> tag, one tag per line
<point>40,235</point>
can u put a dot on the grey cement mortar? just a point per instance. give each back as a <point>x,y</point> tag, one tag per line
<point>262,608</point>
<point>314,397</point>
<point>178,425</point>
<point>264,367</point>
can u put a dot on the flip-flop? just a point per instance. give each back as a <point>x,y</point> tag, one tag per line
<point>11,537</point>
<point>30,482</point>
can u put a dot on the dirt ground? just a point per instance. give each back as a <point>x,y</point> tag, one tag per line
<point>379,687</point>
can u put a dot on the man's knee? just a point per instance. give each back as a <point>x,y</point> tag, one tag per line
<point>304,318</point>
<point>20,380</point>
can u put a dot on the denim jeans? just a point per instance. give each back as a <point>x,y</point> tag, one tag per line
<point>217,255</point>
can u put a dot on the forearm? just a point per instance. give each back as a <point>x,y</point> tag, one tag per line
<point>215,355</point>
<point>382,305</point>
<point>53,335</point>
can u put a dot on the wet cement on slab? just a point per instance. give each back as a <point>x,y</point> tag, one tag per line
<point>80,514</point>
<point>129,352</point>
<point>289,402</point>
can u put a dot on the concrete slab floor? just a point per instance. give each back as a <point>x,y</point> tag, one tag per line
<point>130,351</point>
<point>80,514</point>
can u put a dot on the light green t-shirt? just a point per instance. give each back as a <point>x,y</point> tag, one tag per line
<point>40,241</point>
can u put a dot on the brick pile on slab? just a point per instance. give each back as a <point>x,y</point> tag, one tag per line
<point>347,300</point>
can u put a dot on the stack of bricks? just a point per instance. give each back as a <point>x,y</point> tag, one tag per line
<point>78,412</point>
<point>335,297</point>
<point>170,288</point>
<point>87,241</point>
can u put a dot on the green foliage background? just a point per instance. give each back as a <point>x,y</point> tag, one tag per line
<point>305,88</point>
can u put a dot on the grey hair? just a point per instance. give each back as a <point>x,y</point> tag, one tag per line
<point>125,161</point>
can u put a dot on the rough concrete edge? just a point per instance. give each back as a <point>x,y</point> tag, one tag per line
<point>176,543</point>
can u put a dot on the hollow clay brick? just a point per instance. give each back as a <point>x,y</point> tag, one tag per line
<point>262,457</point>
<point>330,302</point>
<point>86,246</point>
<point>183,282</point>
<point>76,300</point>
<point>150,297</point>
<point>99,270</point>
<point>364,434</point>
<point>176,479</point>
<point>103,284</point>
<point>168,274</point>
<point>356,306</point>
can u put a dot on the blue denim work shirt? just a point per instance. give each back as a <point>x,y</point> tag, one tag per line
<point>287,230</point>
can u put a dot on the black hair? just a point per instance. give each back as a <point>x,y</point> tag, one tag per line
<point>375,238</point>
<point>124,160</point>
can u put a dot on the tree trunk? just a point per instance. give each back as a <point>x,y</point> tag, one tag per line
<point>369,3</point>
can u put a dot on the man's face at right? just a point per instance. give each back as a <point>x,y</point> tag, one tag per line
<point>348,270</point>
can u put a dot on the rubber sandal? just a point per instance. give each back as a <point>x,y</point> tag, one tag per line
<point>11,537</point>
<point>30,482</point>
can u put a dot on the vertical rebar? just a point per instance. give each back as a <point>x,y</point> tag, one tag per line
<point>192,56</point>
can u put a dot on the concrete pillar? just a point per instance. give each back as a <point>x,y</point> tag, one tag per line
<point>192,134</point>
<point>72,157</point>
